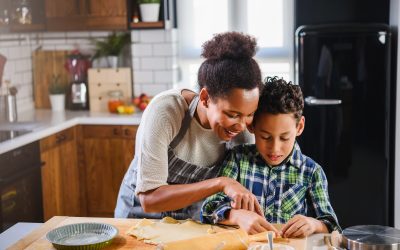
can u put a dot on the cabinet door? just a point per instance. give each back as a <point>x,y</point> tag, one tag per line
<point>105,14</point>
<point>106,151</point>
<point>67,15</point>
<point>61,181</point>
<point>62,8</point>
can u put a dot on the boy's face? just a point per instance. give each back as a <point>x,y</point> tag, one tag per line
<point>275,136</point>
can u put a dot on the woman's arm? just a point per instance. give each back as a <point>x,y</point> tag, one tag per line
<point>173,197</point>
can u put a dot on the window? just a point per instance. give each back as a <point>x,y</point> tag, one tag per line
<point>270,21</point>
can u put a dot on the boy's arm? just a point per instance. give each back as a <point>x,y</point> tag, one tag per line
<point>320,200</point>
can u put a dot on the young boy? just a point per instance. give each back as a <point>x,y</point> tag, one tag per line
<point>283,180</point>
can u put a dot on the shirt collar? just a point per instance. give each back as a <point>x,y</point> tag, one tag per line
<point>295,158</point>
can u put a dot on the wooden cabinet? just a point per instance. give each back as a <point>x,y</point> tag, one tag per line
<point>108,151</point>
<point>64,15</point>
<point>61,177</point>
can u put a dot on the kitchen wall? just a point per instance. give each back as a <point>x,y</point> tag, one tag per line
<point>154,62</point>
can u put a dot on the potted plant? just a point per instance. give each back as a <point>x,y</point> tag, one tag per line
<point>149,10</point>
<point>57,92</point>
<point>111,48</point>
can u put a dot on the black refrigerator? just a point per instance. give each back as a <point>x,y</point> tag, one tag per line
<point>344,73</point>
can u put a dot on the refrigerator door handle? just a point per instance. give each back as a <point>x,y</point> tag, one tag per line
<point>312,101</point>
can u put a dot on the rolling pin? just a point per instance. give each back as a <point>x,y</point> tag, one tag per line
<point>227,240</point>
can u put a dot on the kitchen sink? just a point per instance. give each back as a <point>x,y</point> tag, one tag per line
<point>11,134</point>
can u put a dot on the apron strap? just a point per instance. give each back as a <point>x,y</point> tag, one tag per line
<point>185,122</point>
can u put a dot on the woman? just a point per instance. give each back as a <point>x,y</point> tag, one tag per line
<point>183,136</point>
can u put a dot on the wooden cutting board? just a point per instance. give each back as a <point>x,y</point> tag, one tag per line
<point>37,239</point>
<point>47,63</point>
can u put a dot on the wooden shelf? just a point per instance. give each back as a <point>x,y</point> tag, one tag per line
<point>147,25</point>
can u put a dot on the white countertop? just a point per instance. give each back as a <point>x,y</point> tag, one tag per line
<point>44,122</point>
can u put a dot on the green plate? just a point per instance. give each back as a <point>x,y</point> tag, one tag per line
<point>82,236</point>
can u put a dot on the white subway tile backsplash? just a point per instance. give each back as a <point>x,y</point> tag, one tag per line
<point>10,36</point>
<point>9,68</point>
<point>24,104</point>
<point>135,64</point>
<point>78,41</point>
<point>4,51</point>
<point>53,41</point>
<point>16,78</point>
<point>14,53</point>
<point>153,57</point>
<point>9,43</point>
<point>48,47</point>
<point>27,77</point>
<point>135,36</point>
<point>143,77</point>
<point>60,35</point>
<point>139,50</point>
<point>154,89</point>
<point>164,49</point>
<point>26,52</point>
<point>96,34</point>
<point>22,65</point>
<point>64,47</point>
<point>137,89</point>
<point>164,76</point>
<point>152,36</point>
<point>78,34</point>
<point>153,63</point>
<point>171,62</point>
<point>171,35</point>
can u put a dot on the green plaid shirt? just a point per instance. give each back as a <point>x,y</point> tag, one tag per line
<point>297,186</point>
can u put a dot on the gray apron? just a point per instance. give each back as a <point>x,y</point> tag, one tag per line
<point>179,172</point>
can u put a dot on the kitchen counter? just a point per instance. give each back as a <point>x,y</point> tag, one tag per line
<point>37,238</point>
<point>44,122</point>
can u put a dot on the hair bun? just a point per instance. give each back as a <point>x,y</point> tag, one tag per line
<point>230,45</point>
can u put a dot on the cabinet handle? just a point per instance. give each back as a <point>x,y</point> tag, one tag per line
<point>116,131</point>
<point>127,132</point>
<point>60,138</point>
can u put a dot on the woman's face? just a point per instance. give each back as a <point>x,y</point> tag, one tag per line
<point>230,115</point>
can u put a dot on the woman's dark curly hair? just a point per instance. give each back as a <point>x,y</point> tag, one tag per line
<point>280,97</point>
<point>229,64</point>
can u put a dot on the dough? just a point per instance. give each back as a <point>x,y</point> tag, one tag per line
<point>169,229</point>
<point>259,246</point>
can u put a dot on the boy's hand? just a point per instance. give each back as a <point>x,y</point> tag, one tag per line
<point>302,226</point>
<point>241,197</point>
<point>251,222</point>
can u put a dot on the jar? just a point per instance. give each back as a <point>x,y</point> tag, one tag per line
<point>115,100</point>
<point>23,14</point>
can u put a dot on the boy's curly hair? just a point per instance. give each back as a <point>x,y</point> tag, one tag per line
<point>280,97</point>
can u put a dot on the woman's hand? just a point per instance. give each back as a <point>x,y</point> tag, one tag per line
<point>302,226</point>
<point>241,197</point>
<point>251,222</point>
